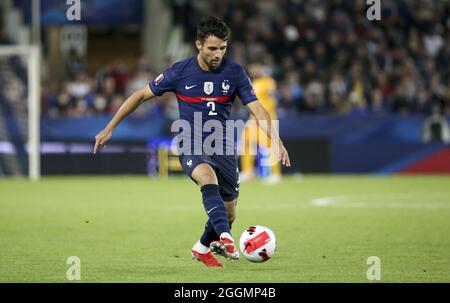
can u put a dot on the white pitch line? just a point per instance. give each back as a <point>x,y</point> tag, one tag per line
<point>361,201</point>
<point>327,201</point>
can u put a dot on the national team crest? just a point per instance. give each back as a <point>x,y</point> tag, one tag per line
<point>225,87</point>
<point>208,88</point>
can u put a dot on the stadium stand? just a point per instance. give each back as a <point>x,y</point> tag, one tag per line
<point>360,85</point>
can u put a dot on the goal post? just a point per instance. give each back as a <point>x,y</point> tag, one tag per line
<point>31,55</point>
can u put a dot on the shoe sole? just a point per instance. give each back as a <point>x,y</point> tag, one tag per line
<point>219,249</point>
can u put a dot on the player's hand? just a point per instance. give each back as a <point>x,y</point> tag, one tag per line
<point>283,156</point>
<point>101,139</point>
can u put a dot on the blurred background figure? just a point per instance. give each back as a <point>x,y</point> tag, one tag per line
<point>254,141</point>
<point>436,127</point>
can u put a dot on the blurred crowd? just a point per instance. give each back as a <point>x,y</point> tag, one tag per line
<point>325,56</point>
<point>102,93</point>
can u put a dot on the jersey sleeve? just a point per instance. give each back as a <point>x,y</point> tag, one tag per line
<point>165,82</point>
<point>245,89</point>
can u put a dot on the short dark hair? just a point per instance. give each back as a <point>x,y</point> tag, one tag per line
<point>212,26</point>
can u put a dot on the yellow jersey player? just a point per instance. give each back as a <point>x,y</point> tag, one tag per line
<point>265,88</point>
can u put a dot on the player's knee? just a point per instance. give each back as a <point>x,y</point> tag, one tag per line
<point>207,179</point>
<point>204,174</point>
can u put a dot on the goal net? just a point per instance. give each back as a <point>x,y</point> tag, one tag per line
<point>19,111</point>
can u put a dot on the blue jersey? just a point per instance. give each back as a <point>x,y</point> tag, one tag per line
<point>210,93</point>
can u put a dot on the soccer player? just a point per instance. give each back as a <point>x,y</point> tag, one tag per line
<point>206,84</point>
<point>252,136</point>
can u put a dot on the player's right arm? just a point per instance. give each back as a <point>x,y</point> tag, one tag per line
<point>133,102</point>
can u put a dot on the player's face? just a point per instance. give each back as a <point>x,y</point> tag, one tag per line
<point>212,51</point>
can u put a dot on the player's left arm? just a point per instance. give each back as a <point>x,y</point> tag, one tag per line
<point>265,123</point>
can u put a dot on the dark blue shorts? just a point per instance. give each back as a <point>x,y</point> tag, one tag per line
<point>226,168</point>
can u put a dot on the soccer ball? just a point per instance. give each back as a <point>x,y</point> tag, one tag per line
<point>257,243</point>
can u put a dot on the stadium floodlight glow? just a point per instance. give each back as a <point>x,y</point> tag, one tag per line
<point>32,55</point>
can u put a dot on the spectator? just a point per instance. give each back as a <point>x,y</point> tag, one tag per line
<point>325,56</point>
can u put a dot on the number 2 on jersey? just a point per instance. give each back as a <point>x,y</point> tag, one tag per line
<point>212,112</point>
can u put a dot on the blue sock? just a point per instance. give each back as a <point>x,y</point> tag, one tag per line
<point>215,209</point>
<point>209,234</point>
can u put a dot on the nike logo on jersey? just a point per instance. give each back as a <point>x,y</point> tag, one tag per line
<point>208,211</point>
<point>189,87</point>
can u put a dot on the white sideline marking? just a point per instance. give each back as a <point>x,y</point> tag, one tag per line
<point>326,201</point>
<point>434,201</point>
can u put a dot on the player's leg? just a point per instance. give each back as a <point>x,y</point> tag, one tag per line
<point>231,211</point>
<point>274,176</point>
<point>198,170</point>
<point>209,235</point>
<point>204,174</point>
<point>220,246</point>
<point>228,179</point>
<point>275,169</point>
<point>206,178</point>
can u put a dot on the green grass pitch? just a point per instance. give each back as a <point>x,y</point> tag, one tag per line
<point>137,229</point>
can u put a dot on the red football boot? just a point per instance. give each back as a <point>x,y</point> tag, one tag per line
<point>207,259</point>
<point>225,247</point>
